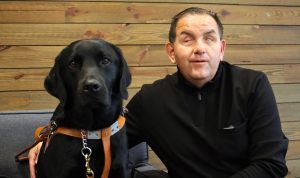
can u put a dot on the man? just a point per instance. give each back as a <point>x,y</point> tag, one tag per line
<point>210,118</point>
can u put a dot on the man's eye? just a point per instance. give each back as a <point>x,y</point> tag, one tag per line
<point>187,41</point>
<point>105,61</point>
<point>210,39</point>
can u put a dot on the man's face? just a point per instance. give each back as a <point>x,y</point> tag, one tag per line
<point>197,49</point>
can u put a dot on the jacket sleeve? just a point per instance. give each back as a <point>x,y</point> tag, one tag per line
<point>268,144</point>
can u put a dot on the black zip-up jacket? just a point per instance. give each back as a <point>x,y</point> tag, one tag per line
<point>228,128</point>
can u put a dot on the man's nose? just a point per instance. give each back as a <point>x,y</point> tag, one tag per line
<point>199,47</point>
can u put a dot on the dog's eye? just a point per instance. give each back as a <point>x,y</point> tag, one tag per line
<point>105,61</point>
<point>73,64</point>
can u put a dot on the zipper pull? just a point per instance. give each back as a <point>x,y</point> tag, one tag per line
<point>199,96</point>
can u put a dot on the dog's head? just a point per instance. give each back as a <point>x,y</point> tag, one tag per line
<point>89,72</point>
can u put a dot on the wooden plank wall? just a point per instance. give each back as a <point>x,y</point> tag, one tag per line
<point>262,35</point>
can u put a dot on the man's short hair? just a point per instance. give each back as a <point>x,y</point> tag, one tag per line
<point>192,11</point>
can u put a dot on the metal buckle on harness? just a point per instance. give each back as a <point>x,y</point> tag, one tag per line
<point>53,125</point>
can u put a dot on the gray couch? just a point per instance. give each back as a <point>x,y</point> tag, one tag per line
<point>17,129</point>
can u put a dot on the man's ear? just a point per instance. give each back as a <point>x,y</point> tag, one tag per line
<point>53,83</point>
<point>223,46</point>
<point>170,52</point>
<point>124,74</point>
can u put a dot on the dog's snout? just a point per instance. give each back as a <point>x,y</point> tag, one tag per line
<point>92,85</point>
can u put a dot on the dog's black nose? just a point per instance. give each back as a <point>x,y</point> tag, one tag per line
<point>91,86</point>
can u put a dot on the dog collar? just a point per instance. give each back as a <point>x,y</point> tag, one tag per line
<point>97,134</point>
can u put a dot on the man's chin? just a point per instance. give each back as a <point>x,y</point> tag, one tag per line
<point>200,79</point>
<point>200,76</point>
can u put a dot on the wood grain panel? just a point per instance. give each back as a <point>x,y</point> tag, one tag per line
<point>28,56</point>
<point>262,54</point>
<point>293,150</point>
<point>294,169</point>
<point>63,34</point>
<point>291,130</point>
<point>289,111</point>
<point>279,73</point>
<point>22,79</point>
<point>151,55</point>
<point>32,16</point>
<point>88,12</point>
<point>14,101</point>
<point>261,34</point>
<point>287,93</point>
<point>163,12</point>
<point>244,2</point>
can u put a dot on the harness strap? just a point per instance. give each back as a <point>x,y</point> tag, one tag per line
<point>107,156</point>
<point>106,134</point>
<point>38,132</point>
<point>40,136</point>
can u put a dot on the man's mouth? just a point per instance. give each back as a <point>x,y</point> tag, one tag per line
<point>198,61</point>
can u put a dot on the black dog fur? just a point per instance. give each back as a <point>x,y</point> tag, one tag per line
<point>90,79</point>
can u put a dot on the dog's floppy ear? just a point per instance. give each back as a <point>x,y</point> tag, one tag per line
<point>53,82</point>
<point>124,74</point>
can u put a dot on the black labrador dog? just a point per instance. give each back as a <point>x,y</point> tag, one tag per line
<point>90,79</point>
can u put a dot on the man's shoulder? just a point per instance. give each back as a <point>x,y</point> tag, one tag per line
<point>240,73</point>
<point>159,85</point>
